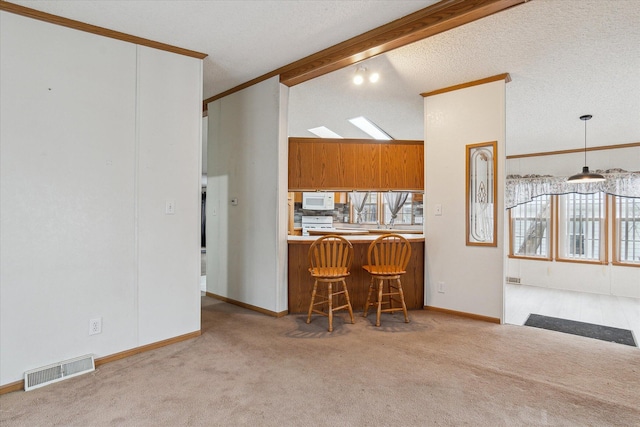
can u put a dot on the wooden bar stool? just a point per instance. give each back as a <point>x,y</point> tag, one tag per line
<point>330,259</point>
<point>387,260</point>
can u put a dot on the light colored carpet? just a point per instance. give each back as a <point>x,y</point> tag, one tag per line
<point>438,370</point>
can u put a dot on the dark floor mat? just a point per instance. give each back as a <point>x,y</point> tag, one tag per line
<point>604,333</point>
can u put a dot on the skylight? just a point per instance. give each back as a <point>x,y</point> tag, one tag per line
<point>324,132</point>
<point>370,128</point>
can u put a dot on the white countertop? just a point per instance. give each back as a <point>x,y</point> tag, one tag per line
<point>355,238</point>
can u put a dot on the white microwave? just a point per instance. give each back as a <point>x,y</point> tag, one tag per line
<point>318,200</point>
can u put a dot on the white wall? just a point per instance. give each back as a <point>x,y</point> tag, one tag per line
<point>95,133</point>
<point>246,244</point>
<point>599,279</point>
<point>169,111</point>
<point>473,275</point>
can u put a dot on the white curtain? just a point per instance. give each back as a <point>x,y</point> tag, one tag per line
<point>524,188</point>
<point>358,200</point>
<point>395,201</point>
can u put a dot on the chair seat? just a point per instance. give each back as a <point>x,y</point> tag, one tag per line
<point>330,258</point>
<point>383,270</point>
<point>329,272</point>
<point>387,259</point>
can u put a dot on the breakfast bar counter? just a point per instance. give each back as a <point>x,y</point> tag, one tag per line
<point>301,283</point>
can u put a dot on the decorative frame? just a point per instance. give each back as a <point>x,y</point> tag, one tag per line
<point>481,194</point>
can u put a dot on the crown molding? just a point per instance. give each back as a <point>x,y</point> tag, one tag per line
<point>77,25</point>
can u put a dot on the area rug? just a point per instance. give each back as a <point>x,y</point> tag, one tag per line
<point>600,332</point>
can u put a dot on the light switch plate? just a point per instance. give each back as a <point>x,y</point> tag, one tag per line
<point>438,210</point>
<point>170,207</point>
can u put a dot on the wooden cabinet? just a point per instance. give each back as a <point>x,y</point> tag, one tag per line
<point>331,165</point>
<point>402,166</point>
<point>301,157</point>
<point>346,164</point>
<point>366,163</point>
<point>290,209</point>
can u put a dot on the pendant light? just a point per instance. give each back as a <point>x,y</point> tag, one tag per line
<point>585,175</point>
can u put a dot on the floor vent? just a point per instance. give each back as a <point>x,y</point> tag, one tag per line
<point>58,371</point>
<point>513,280</point>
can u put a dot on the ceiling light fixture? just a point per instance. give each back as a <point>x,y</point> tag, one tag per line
<point>358,79</point>
<point>324,132</point>
<point>585,175</point>
<point>370,128</point>
<point>361,73</point>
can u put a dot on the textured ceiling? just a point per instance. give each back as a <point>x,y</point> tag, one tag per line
<point>566,58</point>
<point>243,38</point>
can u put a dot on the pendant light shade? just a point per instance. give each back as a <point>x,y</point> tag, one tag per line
<point>585,175</point>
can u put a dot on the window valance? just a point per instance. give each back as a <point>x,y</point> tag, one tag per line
<point>524,188</point>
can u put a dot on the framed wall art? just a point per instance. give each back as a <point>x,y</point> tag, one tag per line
<point>481,193</point>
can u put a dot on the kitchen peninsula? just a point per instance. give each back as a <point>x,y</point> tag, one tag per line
<point>331,172</point>
<point>301,283</point>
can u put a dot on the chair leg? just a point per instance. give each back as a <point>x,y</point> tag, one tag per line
<point>366,305</point>
<point>380,287</point>
<point>313,298</point>
<point>404,306</point>
<point>330,298</point>
<point>346,295</point>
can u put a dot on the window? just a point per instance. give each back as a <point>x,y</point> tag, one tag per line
<point>370,211</point>
<point>593,228</point>
<point>404,216</point>
<point>376,210</point>
<point>530,228</point>
<point>581,224</point>
<point>626,234</point>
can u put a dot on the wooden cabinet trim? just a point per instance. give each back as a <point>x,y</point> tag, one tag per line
<point>94,29</point>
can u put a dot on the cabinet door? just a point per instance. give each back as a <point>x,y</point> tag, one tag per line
<point>367,166</point>
<point>300,165</point>
<point>333,165</point>
<point>327,165</point>
<point>415,167</point>
<point>392,166</point>
<point>402,166</point>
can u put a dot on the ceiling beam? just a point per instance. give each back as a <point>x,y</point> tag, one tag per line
<point>437,18</point>
<point>419,25</point>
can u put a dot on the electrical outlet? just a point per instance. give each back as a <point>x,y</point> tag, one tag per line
<point>441,287</point>
<point>95,326</point>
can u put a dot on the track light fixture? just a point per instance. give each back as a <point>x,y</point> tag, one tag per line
<point>362,73</point>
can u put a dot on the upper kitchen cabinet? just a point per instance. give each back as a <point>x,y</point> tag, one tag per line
<point>355,164</point>
<point>402,166</point>
<point>366,165</point>
<point>331,165</point>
